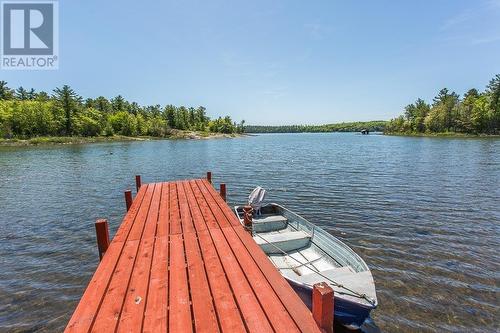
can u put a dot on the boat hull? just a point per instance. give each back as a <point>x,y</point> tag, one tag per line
<point>347,313</point>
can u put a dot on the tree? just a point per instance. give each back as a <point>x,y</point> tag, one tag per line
<point>69,101</point>
<point>479,115</point>
<point>124,123</point>
<point>241,127</point>
<point>31,94</point>
<point>169,114</point>
<point>102,104</point>
<point>493,90</point>
<point>42,96</point>
<point>464,120</point>
<point>201,118</point>
<point>445,104</point>
<point>181,118</point>
<point>64,113</point>
<point>134,108</point>
<point>422,109</point>
<point>118,104</point>
<point>5,92</point>
<point>21,94</point>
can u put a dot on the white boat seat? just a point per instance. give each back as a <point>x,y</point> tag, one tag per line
<point>277,243</point>
<point>268,222</point>
<point>311,275</point>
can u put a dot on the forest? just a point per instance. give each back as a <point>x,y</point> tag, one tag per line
<point>475,113</point>
<point>372,126</point>
<point>25,113</point>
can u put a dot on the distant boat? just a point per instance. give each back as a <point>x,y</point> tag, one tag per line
<point>365,131</point>
<point>306,254</point>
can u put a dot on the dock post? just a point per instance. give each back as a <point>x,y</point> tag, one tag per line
<point>128,199</point>
<point>223,191</point>
<point>247,218</point>
<point>102,233</point>
<point>322,306</point>
<point>138,182</point>
<point>209,177</point>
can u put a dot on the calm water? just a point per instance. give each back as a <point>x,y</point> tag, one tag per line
<point>423,212</point>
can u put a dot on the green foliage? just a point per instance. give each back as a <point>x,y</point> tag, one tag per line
<point>88,122</point>
<point>475,113</point>
<point>69,101</point>
<point>372,126</point>
<point>5,92</point>
<point>222,125</point>
<point>27,114</point>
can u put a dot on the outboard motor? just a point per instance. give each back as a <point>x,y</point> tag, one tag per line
<point>256,198</point>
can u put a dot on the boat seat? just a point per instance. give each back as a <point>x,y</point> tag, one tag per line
<point>334,273</point>
<point>268,222</point>
<point>275,243</point>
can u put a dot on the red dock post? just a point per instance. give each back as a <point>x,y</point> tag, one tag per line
<point>223,191</point>
<point>138,182</point>
<point>209,177</point>
<point>128,199</point>
<point>102,233</point>
<point>247,218</point>
<point>322,306</point>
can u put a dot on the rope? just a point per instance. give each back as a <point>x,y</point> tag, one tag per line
<point>338,285</point>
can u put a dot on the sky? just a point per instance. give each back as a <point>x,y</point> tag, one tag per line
<point>274,62</point>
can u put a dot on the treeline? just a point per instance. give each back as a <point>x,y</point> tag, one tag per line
<point>27,113</point>
<point>475,113</point>
<point>372,126</point>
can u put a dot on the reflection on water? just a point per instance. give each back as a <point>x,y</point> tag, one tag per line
<point>423,213</point>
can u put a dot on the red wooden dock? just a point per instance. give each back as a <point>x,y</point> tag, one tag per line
<point>181,262</point>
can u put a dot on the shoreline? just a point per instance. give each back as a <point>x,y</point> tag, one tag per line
<point>75,140</point>
<point>445,135</point>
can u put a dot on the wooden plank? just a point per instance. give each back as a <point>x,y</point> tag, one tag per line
<point>128,220</point>
<point>248,304</point>
<point>163,215</point>
<point>155,315</point>
<point>205,319</point>
<point>175,217</point>
<point>225,304</point>
<point>196,214</point>
<point>85,312</point>
<point>294,305</point>
<point>133,308</point>
<point>206,194</point>
<point>179,304</point>
<point>140,220</point>
<point>87,308</point>
<point>109,312</point>
<point>186,220</point>
<point>204,208</point>
<point>278,315</point>
<point>276,312</point>
<point>254,315</point>
<point>233,220</point>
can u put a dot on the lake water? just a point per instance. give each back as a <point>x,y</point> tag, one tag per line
<point>424,213</point>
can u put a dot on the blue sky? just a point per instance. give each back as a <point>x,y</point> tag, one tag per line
<point>274,62</point>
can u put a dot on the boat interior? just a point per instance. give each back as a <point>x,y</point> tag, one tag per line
<point>306,254</point>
